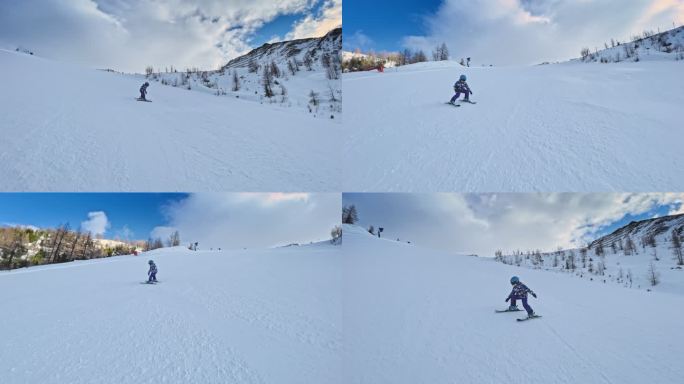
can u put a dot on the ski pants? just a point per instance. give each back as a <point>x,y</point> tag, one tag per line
<point>524,303</point>
<point>153,277</point>
<point>458,94</point>
<point>142,95</point>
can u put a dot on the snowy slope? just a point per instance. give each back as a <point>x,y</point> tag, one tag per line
<point>292,89</point>
<point>70,128</point>
<point>419,316</point>
<point>610,260</point>
<point>665,46</point>
<point>262,316</point>
<point>572,126</point>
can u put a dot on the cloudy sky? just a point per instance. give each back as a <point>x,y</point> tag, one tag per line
<point>503,32</point>
<point>482,223</point>
<point>233,220</point>
<point>129,35</point>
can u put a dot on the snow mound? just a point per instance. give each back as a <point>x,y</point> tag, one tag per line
<point>263,316</point>
<point>76,129</point>
<point>566,127</point>
<point>421,316</point>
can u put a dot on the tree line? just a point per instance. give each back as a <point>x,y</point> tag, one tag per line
<point>24,247</point>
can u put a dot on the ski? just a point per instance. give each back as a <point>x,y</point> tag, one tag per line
<point>468,101</point>
<point>453,104</point>
<point>150,282</point>
<point>139,99</point>
<point>507,310</point>
<point>529,318</point>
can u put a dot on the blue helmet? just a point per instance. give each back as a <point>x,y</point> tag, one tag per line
<point>463,78</point>
<point>515,280</point>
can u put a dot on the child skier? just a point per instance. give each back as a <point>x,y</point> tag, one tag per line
<point>519,292</point>
<point>152,273</point>
<point>143,91</point>
<point>461,87</point>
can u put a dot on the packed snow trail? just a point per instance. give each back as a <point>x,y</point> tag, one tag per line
<point>270,316</point>
<point>579,127</point>
<point>69,128</point>
<point>415,315</point>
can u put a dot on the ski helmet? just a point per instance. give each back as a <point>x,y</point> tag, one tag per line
<point>462,78</point>
<point>150,262</point>
<point>515,280</point>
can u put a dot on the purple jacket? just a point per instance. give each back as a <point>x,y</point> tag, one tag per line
<point>520,291</point>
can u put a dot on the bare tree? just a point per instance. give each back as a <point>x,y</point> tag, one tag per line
<point>350,215</point>
<point>174,239</point>
<point>236,82</point>
<point>336,235</point>
<point>267,82</point>
<point>653,275</point>
<point>252,66</point>
<point>677,247</point>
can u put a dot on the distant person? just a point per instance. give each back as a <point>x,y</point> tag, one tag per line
<point>519,292</point>
<point>143,91</point>
<point>152,273</point>
<point>461,87</point>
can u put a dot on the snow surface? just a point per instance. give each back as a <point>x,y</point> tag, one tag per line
<point>563,127</point>
<point>67,128</point>
<point>415,315</point>
<point>252,316</point>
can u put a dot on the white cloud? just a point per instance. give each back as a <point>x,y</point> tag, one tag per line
<point>329,18</point>
<point>132,34</point>
<point>97,223</point>
<point>482,224</point>
<point>532,31</point>
<point>162,232</point>
<point>358,40</point>
<point>248,220</point>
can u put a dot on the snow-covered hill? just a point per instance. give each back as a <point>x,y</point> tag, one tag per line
<point>415,315</point>
<point>65,127</point>
<point>557,127</point>
<point>664,46</point>
<point>298,68</point>
<point>261,316</point>
<point>632,256</point>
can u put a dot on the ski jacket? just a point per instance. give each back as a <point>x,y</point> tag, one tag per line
<point>153,269</point>
<point>462,86</point>
<point>520,291</point>
<point>143,89</point>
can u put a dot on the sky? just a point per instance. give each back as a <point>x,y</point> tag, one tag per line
<point>129,35</point>
<point>230,221</point>
<point>503,32</point>
<point>483,223</point>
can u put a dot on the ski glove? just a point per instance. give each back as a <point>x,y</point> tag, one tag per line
<point>533,294</point>
<point>508,298</point>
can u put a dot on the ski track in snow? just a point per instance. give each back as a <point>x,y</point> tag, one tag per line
<point>248,317</point>
<point>66,128</point>
<point>416,315</point>
<point>579,127</point>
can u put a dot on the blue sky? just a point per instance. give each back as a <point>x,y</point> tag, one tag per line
<point>139,212</point>
<point>226,220</point>
<point>385,22</point>
<point>130,35</point>
<point>503,32</point>
<point>483,223</point>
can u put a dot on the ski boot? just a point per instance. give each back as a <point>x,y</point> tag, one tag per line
<point>513,308</point>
